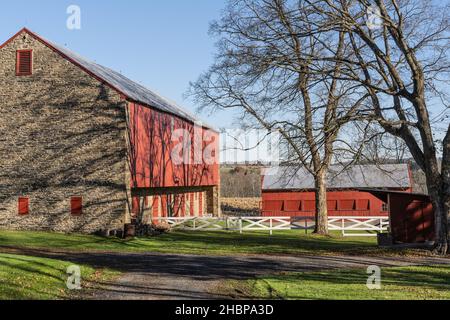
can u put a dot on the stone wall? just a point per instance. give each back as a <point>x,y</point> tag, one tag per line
<point>62,134</point>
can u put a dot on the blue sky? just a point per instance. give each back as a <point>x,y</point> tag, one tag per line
<point>162,44</point>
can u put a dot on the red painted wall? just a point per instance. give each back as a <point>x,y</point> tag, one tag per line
<point>340,203</point>
<point>412,218</point>
<point>152,133</point>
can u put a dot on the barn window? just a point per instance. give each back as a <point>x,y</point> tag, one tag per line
<point>347,205</point>
<point>385,207</point>
<point>363,205</point>
<point>24,62</point>
<point>76,204</point>
<point>332,205</point>
<point>273,205</point>
<point>24,206</point>
<point>292,205</point>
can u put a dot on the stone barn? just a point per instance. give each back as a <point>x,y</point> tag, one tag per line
<point>85,149</point>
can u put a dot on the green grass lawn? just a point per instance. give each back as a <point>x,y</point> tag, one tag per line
<point>403,283</point>
<point>31,278</point>
<point>217,243</point>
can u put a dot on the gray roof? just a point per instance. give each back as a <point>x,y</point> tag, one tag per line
<point>389,176</point>
<point>131,89</point>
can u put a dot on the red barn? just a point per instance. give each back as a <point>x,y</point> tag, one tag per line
<point>85,149</point>
<point>289,191</point>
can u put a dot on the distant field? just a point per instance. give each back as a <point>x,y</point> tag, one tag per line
<point>241,206</point>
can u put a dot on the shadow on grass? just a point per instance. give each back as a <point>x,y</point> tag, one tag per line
<point>399,283</point>
<point>289,242</point>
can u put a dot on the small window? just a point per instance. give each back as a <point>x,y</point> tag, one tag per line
<point>332,205</point>
<point>347,205</point>
<point>292,205</point>
<point>385,207</point>
<point>76,204</point>
<point>24,206</point>
<point>363,204</point>
<point>273,205</point>
<point>24,63</point>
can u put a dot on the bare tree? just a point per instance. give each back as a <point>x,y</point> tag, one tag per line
<point>400,56</point>
<point>268,67</point>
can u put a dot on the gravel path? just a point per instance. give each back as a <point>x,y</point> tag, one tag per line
<point>152,276</point>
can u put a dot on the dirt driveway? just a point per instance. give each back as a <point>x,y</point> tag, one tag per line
<point>152,276</point>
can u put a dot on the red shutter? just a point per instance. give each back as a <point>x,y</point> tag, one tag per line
<point>347,205</point>
<point>332,205</point>
<point>292,206</point>
<point>363,204</point>
<point>273,205</point>
<point>24,206</point>
<point>24,62</point>
<point>76,206</point>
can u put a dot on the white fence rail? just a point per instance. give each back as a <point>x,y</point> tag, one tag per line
<point>349,226</point>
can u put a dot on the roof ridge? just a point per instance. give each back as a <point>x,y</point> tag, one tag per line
<point>354,176</point>
<point>122,84</point>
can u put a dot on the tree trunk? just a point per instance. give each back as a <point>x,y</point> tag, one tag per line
<point>442,201</point>
<point>441,207</point>
<point>321,205</point>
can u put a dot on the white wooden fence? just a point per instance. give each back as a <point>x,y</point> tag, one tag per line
<point>349,226</point>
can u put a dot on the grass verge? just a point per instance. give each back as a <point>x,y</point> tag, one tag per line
<point>205,243</point>
<point>402,283</point>
<point>220,243</point>
<point>32,278</point>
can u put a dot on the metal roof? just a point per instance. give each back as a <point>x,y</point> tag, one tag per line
<point>119,82</point>
<point>390,176</point>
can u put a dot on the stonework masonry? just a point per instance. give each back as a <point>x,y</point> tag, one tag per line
<point>62,134</point>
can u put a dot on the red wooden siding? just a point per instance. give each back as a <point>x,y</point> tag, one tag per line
<point>340,203</point>
<point>191,204</point>
<point>183,205</point>
<point>412,218</point>
<point>164,212</point>
<point>156,206</point>
<point>151,134</point>
<point>200,204</point>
